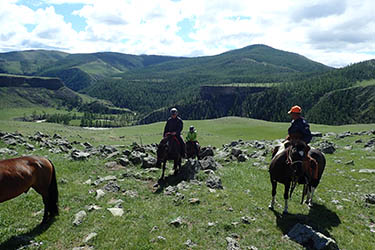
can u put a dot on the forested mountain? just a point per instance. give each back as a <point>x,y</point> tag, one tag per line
<point>264,82</point>
<point>163,84</point>
<point>340,96</point>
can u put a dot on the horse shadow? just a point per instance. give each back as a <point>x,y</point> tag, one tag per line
<point>187,172</point>
<point>25,240</point>
<point>320,218</point>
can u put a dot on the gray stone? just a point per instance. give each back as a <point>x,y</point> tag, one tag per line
<point>8,151</point>
<point>351,162</point>
<point>116,211</point>
<point>242,158</point>
<point>189,243</point>
<point>206,151</point>
<point>112,187</point>
<point>306,236</point>
<point>149,162</point>
<point>370,198</point>
<point>214,181</point>
<point>236,152</point>
<point>124,161</point>
<point>209,163</point>
<point>79,155</point>
<point>136,157</point>
<point>99,193</point>
<point>78,218</point>
<point>177,222</point>
<point>89,237</point>
<point>367,171</point>
<point>327,147</point>
<point>232,244</point>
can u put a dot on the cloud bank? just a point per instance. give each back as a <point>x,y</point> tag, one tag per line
<point>333,32</point>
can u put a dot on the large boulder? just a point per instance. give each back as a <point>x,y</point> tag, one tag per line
<point>309,238</point>
<point>148,162</point>
<point>206,151</point>
<point>209,163</point>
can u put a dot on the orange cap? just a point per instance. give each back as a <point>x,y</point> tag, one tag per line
<point>295,109</point>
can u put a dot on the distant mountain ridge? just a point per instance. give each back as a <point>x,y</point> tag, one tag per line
<point>261,82</point>
<point>79,71</point>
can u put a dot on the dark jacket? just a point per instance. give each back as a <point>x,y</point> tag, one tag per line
<point>174,125</point>
<point>300,129</point>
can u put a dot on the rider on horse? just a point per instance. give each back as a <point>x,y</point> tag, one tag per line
<point>300,130</point>
<point>192,137</point>
<point>174,126</point>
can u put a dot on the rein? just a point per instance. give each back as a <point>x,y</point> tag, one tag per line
<point>289,163</point>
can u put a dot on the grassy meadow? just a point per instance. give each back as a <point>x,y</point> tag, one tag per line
<point>339,212</point>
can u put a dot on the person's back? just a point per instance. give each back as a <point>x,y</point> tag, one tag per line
<point>174,127</point>
<point>299,128</point>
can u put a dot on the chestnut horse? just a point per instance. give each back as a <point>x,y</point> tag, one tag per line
<point>286,168</point>
<point>169,149</point>
<point>18,175</point>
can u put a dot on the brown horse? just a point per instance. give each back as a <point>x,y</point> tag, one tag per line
<point>18,175</point>
<point>192,149</point>
<point>286,168</point>
<point>169,149</point>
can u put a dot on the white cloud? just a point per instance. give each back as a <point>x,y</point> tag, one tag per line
<point>334,32</point>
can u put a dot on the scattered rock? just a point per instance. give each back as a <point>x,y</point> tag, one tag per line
<point>112,187</point>
<point>214,182</point>
<point>177,222</point>
<point>247,219</point>
<point>232,244</point>
<point>159,238</point>
<point>190,243</point>
<point>78,218</point>
<point>351,162</point>
<point>116,211</point>
<point>79,155</point>
<point>327,147</point>
<point>149,162</point>
<point>307,237</point>
<point>206,151</point>
<point>8,151</point>
<point>370,198</point>
<point>367,171</point>
<point>124,161</point>
<point>89,237</point>
<point>194,201</point>
<point>99,194</point>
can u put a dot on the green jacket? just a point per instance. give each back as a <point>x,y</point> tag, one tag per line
<point>191,136</point>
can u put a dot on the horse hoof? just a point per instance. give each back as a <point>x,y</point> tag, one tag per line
<point>285,212</point>
<point>270,207</point>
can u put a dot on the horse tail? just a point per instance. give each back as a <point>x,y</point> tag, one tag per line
<point>53,194</point>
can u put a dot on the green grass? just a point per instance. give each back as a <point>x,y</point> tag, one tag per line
<point>366,83</point>
<point>246,193</point>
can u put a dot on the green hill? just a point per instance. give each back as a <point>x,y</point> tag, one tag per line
<point>29,62</point>
<point>340,96</point>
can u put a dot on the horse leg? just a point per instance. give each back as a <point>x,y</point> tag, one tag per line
<point>310,195</point>
<point>286,190</point>
<point>274,186</point>
<point>163,170</point>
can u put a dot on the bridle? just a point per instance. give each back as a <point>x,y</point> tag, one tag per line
<point>290,163</point>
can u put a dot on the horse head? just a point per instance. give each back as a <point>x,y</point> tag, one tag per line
<point>296,153</point>
<point>162,152</point>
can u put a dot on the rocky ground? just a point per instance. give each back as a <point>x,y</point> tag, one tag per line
<point>143,158</point>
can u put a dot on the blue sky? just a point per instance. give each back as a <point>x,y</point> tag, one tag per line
<point>333,32</point>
